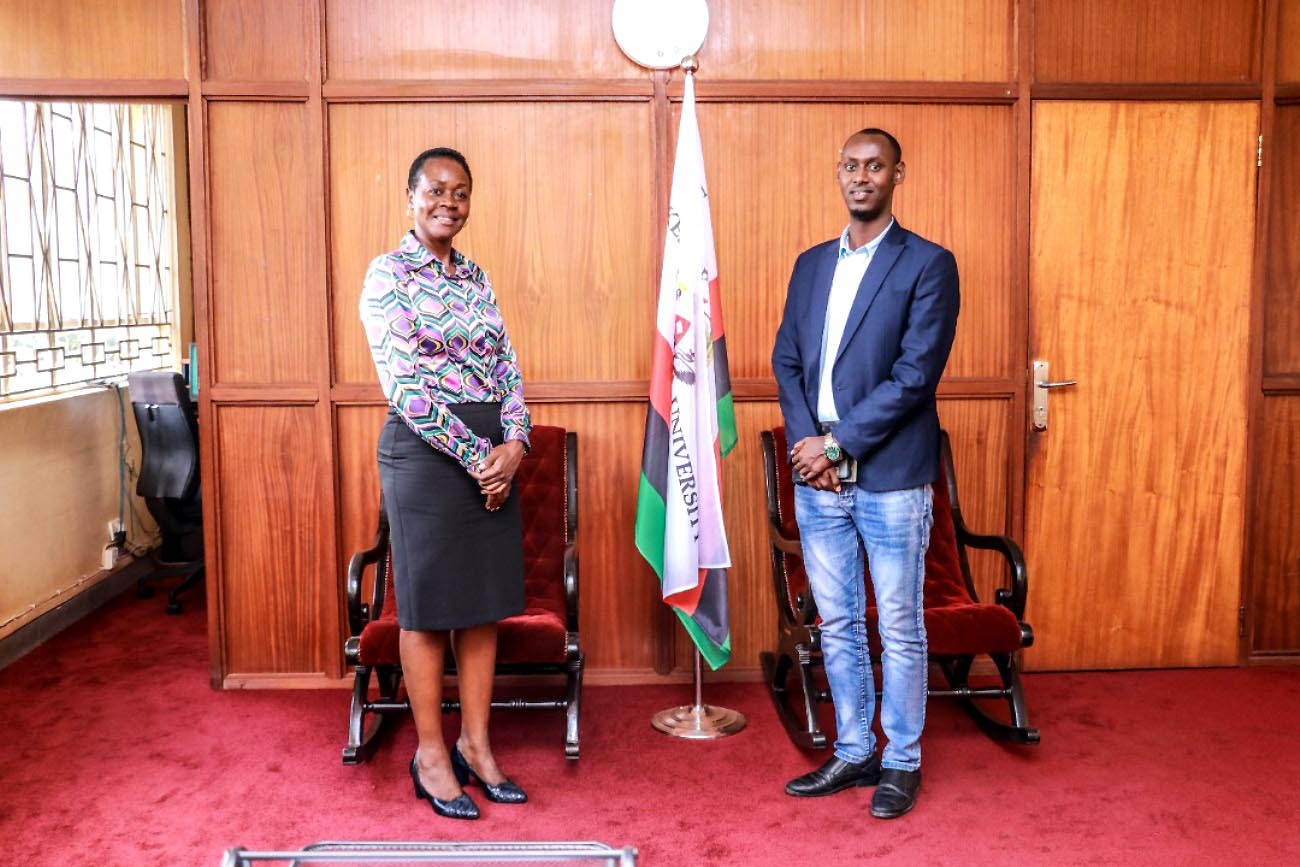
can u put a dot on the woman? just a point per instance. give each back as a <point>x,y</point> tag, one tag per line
<point>457,428</point>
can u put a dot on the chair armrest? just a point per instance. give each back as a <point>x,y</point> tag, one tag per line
<point>803,603</point>
<point>781,541</point>
<point>358,611</point>
<point>1012,597</point>
<point>807,607</point>
<point>571,587</point>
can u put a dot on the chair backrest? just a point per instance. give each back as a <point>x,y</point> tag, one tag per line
<point>945,581</point>
<point>779,476</point>
<point>165,418</point>
<point>547,484</point>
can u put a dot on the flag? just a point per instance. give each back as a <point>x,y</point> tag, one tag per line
<point>690,423</point>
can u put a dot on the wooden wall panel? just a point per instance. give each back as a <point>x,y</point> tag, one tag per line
<point>1275,553</point>
<point>619,593</point>
<point>90,39</point>
<point>914,40</point>
<point>562,221</point>
<point>412,39</point>
<point>1288,40</point>
<point>358,469</point>
<point>258,167</point>
<point>1282,292</point>
<point>1156,40</point>
<point>257,41</point>
<point>771,178</point>
<point>279,592</point>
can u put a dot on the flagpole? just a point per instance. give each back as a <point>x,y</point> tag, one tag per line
<point>698,721</point>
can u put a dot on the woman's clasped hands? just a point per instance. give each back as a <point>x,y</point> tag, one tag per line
<point>497,471</point>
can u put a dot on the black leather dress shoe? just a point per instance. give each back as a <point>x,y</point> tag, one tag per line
<point>896,793</point>
<point>835,776</point>
<point>505,792</point>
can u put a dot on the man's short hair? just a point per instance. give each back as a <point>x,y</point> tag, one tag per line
<point>893,142</point>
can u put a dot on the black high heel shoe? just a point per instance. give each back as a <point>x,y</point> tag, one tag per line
<point>504,792</point>
<point>459,807</point>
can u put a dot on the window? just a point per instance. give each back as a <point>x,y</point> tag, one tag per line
<point>88,284</point>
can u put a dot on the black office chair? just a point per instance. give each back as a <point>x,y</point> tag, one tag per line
<point>169,478</point>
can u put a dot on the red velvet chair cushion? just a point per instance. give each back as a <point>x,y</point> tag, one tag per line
<point>539,633</point>
<point>955,624</point>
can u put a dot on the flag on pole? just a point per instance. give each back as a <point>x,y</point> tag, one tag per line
<point>691,422</point>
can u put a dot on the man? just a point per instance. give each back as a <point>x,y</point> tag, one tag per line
<point>868,323</point>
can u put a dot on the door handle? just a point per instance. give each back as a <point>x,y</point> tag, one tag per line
<point>1041,386</point>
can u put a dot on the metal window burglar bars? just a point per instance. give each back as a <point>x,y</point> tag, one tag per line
<point>88,285</point>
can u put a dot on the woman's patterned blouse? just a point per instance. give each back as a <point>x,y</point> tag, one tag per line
<point>438,338</point>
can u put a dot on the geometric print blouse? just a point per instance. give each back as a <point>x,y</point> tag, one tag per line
<point>439,339</point>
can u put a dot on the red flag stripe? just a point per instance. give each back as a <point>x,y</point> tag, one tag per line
<point>688,600</point>
<point>715,310</point>
<point>661,377</point>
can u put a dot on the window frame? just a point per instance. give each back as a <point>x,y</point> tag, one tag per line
<point>103,283</point>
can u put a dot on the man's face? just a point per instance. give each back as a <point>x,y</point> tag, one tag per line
<point>867,173</point>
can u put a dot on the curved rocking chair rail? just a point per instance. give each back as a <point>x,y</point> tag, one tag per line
<point>798,652</point>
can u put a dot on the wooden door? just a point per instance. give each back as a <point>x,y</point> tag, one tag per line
<point>1142,231</point>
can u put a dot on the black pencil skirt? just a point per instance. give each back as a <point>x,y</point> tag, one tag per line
<point>455,564</point>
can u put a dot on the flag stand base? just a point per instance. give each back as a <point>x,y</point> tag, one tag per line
<point>698,721</point>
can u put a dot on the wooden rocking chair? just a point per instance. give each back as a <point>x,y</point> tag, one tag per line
<point>959,626</point>
<point>543,640</point>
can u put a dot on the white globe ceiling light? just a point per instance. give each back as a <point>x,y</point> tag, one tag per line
<point>660,33</point>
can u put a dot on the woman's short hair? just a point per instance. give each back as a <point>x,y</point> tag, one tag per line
<point>413,177</point>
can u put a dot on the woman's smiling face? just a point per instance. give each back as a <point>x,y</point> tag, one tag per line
<point>440,203</point>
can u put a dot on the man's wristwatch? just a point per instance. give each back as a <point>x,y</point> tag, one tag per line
<point>832,449</point>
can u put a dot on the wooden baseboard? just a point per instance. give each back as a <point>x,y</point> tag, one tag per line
<point>613,677</point>
<point>610,677</point>
<point>286,680</point>
<point>650,677</point>
<point>597,677</point>
<point>1276,658</point>
<point>45,626</point>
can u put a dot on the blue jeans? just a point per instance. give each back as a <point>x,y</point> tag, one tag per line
<point>894,529</point>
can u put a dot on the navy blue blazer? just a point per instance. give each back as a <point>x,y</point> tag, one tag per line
<point>895,345</point>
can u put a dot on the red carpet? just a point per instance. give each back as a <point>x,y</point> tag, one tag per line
<point>119,753</point>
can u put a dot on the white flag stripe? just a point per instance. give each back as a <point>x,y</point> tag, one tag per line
<point>694,535</point>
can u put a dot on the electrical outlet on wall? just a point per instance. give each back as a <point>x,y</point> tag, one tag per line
<point>115,530</point>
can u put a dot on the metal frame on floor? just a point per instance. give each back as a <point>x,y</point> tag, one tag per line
<point>330,852</point>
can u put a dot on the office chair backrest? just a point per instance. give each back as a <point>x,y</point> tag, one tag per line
<point>168,430</point>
